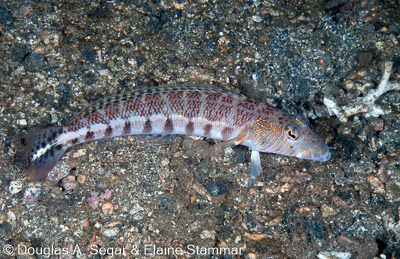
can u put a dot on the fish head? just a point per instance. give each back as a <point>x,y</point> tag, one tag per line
<point>289,136</point>
<point>306,143</point>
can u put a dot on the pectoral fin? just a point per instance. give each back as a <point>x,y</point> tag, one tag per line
<point>256,169</point>
<point>232,142</point>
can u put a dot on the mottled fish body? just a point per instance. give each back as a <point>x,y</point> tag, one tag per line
<point>182,110</point>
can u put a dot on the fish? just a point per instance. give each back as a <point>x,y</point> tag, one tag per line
<point>182,109</point>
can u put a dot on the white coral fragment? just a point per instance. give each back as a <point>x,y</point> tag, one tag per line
<point>365,104</point>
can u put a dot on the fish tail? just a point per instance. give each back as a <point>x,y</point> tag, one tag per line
<point>44,149</point>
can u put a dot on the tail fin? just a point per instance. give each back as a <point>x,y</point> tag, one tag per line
<point>44,150</point>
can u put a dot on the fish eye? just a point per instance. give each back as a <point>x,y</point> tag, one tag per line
<point>293,132</point>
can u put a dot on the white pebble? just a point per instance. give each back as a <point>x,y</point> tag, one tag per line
<point>165,162</point>
<point>111,232</point>
<point>15,187</point>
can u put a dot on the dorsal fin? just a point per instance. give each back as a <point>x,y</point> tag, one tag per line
<point>101,103</point>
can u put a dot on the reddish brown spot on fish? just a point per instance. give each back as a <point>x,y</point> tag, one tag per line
<point>213,97</point>
<point>207,129</point>
<point>226,132</point>
<point>227,99</point>
<point>108,131</point>
<point>127,128</point>
<point>89,135</point>
<point>147,126</point>
<point>169,125</point>
<point>74,141</point>
<point>189,128</point>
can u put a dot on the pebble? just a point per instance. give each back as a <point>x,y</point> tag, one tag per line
<point>137,208</point>
<point>69,183</point>
<point>107,208</point>
<point>257,18</point>
<point>110,232</point>
<point>328,211</point>
<point>15,187</point>
<point>165,162</point>
<point>22,122</point>
<point>376,123</point>
<point>207,234</point>
<point>255,236</point>
<point>216,188</point>
<point>79,152</point>
<point>334,255</point>
<point>60,171</point>
<point>104,72</point>
<point>376,185</point>
<point>31,193</point>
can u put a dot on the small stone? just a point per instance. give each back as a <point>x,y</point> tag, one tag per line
<point>137,208</point>
<point>110,63</point>
<point>165,162</point>
<point>85,223</point>
<point>110,232</point>
<point>60,171</point>
<point>275,222</point>
<point>344,130</point>
<point>79,152</point>
<point>81,179</point>
<point>15,186</point>
<point>328,211</point>
<point>104,72</point>
<point>293,177</point>
<point>22,122</point>
<point>11,216</point>
<point>23,11</point>
<point>255,236</point>
<point>377,124</point>
<point>334,255</point>
<point>376,185</point>
<point>31,194</point>
<point>107,208</point>
<point>106,195</point>
<point>217,188</point>
<point>207,234</point>
<point>2,218</point>
<point>257,18</point>
<point>69,183</point>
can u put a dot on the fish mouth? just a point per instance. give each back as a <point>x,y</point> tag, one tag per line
<point>322,155</point>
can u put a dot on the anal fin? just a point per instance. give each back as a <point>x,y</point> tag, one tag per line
<point>255,166</point>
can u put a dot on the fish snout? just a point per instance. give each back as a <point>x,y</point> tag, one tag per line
<point>319,153</point>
